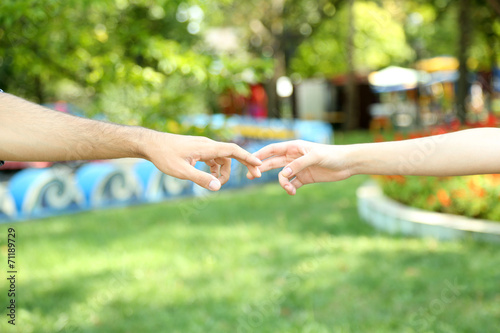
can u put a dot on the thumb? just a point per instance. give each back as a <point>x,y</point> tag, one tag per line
<point>297,165</point>
<point>203,179</point>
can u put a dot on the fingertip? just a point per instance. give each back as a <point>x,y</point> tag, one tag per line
<point>256,161</point>
<point>290,189</point>
<point>254,171</point>
<point>214,185</point>
<point>287,172</point>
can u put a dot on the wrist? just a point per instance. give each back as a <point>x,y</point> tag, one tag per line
<point>373,158</point>
<point>354,159</point>
<point>152,144</point>
<point>338,159</point>
<point>143,142</point>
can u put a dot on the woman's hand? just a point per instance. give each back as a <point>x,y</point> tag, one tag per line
<point>303,163</point>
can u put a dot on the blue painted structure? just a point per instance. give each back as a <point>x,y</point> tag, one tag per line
<point>35,193</point>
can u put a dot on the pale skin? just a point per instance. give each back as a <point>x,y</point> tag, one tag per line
<point>467,152</point>
<point>30,132</point>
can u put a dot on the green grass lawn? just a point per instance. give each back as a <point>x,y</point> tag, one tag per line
<point>250,260</point>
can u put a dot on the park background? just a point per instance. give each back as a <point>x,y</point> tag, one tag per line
<point>255,259</point>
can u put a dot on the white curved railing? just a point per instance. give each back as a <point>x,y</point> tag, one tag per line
<point>393,217</point>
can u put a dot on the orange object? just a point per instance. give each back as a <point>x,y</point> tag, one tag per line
<point>443,197</point>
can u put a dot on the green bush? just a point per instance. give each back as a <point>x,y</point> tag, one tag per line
<point>473,196</point>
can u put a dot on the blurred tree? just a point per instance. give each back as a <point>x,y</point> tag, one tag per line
<point>352,111</point>
<point>136,61</point>
<point>463,48</point>
<point>274,29</point>
<point>379,41</point>
<point>142,61</point>
<point>359,37</point>
<point>119,54</point>
<point>467,29</point>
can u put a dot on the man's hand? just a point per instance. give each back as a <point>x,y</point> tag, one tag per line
<point>176,156</point>
<point>304,163</point>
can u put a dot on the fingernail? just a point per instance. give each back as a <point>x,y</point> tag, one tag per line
<point>287,172</point>
<point>214,185</point>
<point>259,173</point>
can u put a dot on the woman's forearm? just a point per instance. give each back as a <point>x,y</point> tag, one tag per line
<point>474,151</point>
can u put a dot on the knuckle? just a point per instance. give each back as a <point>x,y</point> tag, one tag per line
<point>203,139</point>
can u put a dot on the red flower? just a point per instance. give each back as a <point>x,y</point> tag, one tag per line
<point>415,135</point>
<point>494,179</point>
<point>492,120</point>
<point>455,125</point>
<point>399,179</point>
<point>438,130</point>
<point>443,197</point>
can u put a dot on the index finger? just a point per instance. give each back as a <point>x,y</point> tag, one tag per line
<point>271,150</point>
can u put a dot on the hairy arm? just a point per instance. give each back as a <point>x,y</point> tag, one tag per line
<point>29,132</point>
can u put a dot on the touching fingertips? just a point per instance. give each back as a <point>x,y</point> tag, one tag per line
<point>256,160</point>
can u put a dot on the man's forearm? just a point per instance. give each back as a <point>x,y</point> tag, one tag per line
<point>29,132</point>
<point>467,152</point>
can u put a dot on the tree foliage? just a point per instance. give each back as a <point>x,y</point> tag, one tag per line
<point>137,61</point>
<point>143,61</point>
<point>379,41</point>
